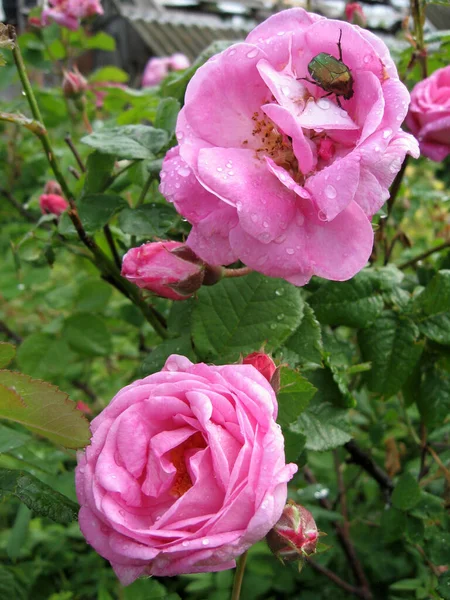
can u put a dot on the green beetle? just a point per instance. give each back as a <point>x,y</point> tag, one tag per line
<point>331,74</point>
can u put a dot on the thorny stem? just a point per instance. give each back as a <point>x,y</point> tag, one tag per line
<point>364,460</point>
<point>418,14</point>
<point>108,269</point>
<point>413,261</point>
<point>238,577</point>
<point>75,152</point>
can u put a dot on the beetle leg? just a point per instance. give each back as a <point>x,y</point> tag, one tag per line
<point>338,102</point>
<point>309,81</point>
<point>339,45</point>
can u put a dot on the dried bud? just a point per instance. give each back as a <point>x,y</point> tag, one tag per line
<point>168,269</point>
<point>262,362</point>
<point>74,84</point>
<point>52,187</point>
<point>295,535</point>
<point>53,204</point>
<point>355,14</point>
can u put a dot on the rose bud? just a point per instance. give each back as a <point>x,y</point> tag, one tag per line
<point>429,114</point>
<point>295,534</point>
<point>355,14</point>
<point>168,269</point>
<point>35,22</point>
<point>74,84</point>
<point>53,204</point>
<point>262,362</point>
<point>85,408</point>
<point>52,187</point>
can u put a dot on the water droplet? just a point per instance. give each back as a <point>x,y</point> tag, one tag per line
<point>280,317</point>
<point>281,33</point>
<point>322,216</point>
<point>184,172</point>
<point>158,518</point>
<point>265,224</point>
<point>299,219</point>
<point>279,292</point>
<point>177,185</point>
<point>229,164</point>
<point>205,542</point>
<point>253,53</point>
<point>273,326</point>
<point>231,52</point>
<point>387,133</point>
<point>282,177</point>
<point>377,148</point>
<point>330,192</point>
<point>286,90</point>
<point>21,286</point>
<point>231,173</point>
<point>343,113</point>
<point>324,103</point>
<point>238,206</point>
<point>280,239</point>
<point>254,217</point>
<point>290,250</point>
<point>367,58</point>
<point>180,135</point>
<point>219,169</point>
<point>163,175</point>
<point>185,544</point>
<point>395,165</point>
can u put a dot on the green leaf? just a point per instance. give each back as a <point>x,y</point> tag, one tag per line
<point>96,210</point>
<point>88,334</point>
<point>155,361</point>
<point>40,355</point>
<point>43,409</point>
<point>293,397</point>
<point>330,387</point>
<point>100,41</point>
<point>238,315</point>
<point>38,496</point>
<point>19,532</point>
<point>406,493</point>
<point>294,444</point>
<point>10,586</point>
<point>324,426</point>
<point>306,341</point>
<point>109,74</point>
<point>392,345</point>
<point>98,171</point>
<point>7,353</point>
<point>393,523</point>
<point>93,296</point>
<point>166,114</point>
<point>444,586</point>
<point>130,141</point>
<point>355,303</point>
<point>149,220</point>
<point>431,309</point>
<point>433,394</point>
<point>439,548</point>
<point>12,438</point>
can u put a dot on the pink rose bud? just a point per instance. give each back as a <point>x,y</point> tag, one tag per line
<point>35,22</point>
<point>355,14</point>
<point>262,362</point>
<point>185,471</point>
<point>52,187</point>
<point>295,535</point>
<point>168,269</point>
<point>179,61</point>
<point>159,67</point>
<point>429,114</point>
<point>74,84</point>
<point>85,408</point>
<point>53,204</point>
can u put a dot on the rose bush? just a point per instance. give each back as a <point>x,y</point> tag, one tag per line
<point>429,114</point>
<point>69,13</point>
<point>270,171</point>
<point>185,470</point>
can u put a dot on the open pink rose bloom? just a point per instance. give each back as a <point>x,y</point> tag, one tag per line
<point>429,114</point>
<point>69,13</point>
<point>272,172</point>
<point>185,470</point>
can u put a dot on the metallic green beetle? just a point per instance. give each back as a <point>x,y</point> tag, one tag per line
<point>331,74</point>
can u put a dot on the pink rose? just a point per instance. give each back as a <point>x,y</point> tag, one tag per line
<point>270,171</point>
<point>168,269</point>
<point>262,363</point>
<point>429,114</point>
<point>69,13</point>
<point>53,204</point>
<point>158,68</point>
<point>185,471</point>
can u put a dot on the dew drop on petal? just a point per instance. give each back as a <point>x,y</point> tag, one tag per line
<point>322,216</point>
<point>367,58</point>
<point>324,104</point>
<point>205,542</point>
<point>253,53</point>
<point>185,544</point>
<point>387,133</point>
<point>254,217</point>
<point>330,192</point>
<point>281,33</point>
<point>184,172</point>
<point>290,251</point>
<point>219,169</point>
<point>299,219</point>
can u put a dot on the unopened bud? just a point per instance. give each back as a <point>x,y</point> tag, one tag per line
<point>52,187</point>
<point>262,362</point>
<point>74,84</point>
<point>168,269</point>
<point>295,535</point>
<point>53,204</point>
<point>355,14</point>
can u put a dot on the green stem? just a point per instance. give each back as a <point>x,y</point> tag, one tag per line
<point>413,261</point>
<point>238,577</point>
<point>108,269</point>
<point>418,14</point>
<point>144,190</point>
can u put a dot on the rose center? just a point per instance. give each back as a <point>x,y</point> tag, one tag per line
<point>182,481</point>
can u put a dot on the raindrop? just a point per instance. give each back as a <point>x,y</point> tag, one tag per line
<point>264,237</point>
<point>231,173</point>
<point>180,135</point>
<point>163,175</point>
<point>205,542</point>
<point>324,104</point>
<point>184,172</point>
<point>229,164</point>
<point>254,217</point>
<point>367,58</point>
<point>395,165</point>
<point>21,286</point>
<point>177,185</point>
<point>300,219</point>
<point>264,505</point>
<point>253,53</point>
<point>279,292</point>
<point>330,192</point>
<point>280,317</point>
<point>231,52</point>
<point>219,169</point>
<point>273,326</point>
<point>387,133</point>
<point>290,250</point>
<point>322,216</point>
<point>185,544</point>
<point>265,224</point>
<point>281,33</point>
<point>122,513</point>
